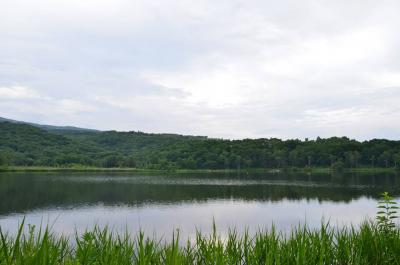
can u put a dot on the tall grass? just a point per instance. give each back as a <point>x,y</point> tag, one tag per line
<point>366,244</point>
<point>373,243</point>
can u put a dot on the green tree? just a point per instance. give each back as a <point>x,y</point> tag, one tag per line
<point>396,159</point>
<point>3,160</point>
<point>385,158</point>
<point>372,159</point>
<point>238,161</point>
<point>280,157</point>
<point>309,160</point>
<point>338,166</point>
<point>357,157</point>
<point>352,158</point>
<point>333,159</point>
<point>111,161</point>
<point>294,158</point>
<point>129,162</point>
<point>31,146</point>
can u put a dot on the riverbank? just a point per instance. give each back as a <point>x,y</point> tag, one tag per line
<point>366,244</point>
<point>316,170</point>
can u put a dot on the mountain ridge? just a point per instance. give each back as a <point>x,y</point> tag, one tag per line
<point>50,127</point>
<point>23,144</point>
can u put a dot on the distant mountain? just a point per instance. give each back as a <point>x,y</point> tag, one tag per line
<point>30,144</point>
<point>50,127</point>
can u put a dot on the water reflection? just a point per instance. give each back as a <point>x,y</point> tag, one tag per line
<point>158,203</point>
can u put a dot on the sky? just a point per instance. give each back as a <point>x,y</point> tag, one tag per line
<point>225,69</point>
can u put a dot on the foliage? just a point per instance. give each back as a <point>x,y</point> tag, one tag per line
<point>387,213</point>
<point>27,145</point>
<point>3,160</point>
<point>364,245</point>
<point>338,166</point>
<point>396,160</point>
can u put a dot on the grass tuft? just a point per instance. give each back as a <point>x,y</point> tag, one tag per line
<point>366,244</point>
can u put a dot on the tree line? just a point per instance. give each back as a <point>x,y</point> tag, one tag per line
<point>25,145</point>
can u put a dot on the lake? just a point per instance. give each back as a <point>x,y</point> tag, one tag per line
<point>160,203</point>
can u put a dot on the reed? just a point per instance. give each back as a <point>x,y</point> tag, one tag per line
<point>366,244</point>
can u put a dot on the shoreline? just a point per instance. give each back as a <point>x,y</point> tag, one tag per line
<point>317,170</point>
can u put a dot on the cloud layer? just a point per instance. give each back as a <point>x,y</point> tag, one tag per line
<point>231,69</point>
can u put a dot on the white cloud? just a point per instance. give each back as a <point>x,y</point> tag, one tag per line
<point>224,69</point>
<point>18,92</point>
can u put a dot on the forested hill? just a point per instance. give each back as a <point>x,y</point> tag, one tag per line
<point>27,145</point>
<point>49,127</point>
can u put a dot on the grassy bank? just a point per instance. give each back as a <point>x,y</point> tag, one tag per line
<point>366,244</point>
<point>316,170</point>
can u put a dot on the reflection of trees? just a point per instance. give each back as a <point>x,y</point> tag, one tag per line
<point>22,192</point>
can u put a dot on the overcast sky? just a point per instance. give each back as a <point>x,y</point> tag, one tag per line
<point>227,69</point>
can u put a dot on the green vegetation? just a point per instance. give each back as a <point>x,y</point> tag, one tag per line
<point>26,145</point>
<point>387,213</point>
<point>3,160</point>
<point>366,245</point>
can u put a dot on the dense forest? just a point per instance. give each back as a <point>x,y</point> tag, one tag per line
<point>29,145</point>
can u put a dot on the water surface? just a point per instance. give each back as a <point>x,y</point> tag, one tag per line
<point>159,203</point>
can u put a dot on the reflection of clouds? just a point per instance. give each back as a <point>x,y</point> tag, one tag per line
<point>160,220</point>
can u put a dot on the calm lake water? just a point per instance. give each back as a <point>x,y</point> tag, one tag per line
<point>158,204</point>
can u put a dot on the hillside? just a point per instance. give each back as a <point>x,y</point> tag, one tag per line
<point>50,127</point>
<point>22,144</point>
